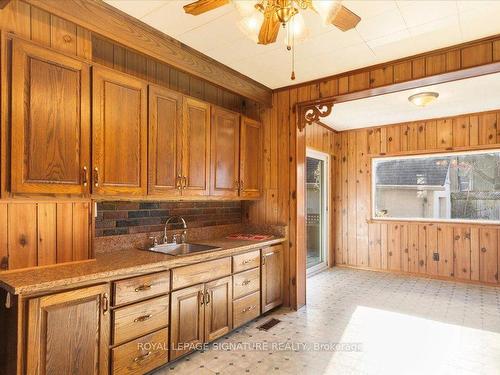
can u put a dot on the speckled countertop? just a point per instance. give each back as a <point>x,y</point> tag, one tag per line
<point>117,264</point>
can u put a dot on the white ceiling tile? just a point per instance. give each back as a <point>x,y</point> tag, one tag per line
<point>389,39</point>
<point>391,29</point>
<point>139,8</point>
<point>381,25</point>
<point>420,12</point>
<point>366,9</point>
<point>172,20</point>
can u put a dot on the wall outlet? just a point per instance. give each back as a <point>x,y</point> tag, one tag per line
<point>435,256</point>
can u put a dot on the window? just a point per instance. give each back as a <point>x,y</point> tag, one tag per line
<point>461,186</point>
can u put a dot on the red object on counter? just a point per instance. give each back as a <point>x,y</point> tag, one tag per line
<point>249,237</point>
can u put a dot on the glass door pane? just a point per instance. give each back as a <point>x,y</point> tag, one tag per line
<point>316,208</point>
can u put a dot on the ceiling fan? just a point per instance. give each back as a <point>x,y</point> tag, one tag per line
<point>280,12</point>
<point>276,13</point>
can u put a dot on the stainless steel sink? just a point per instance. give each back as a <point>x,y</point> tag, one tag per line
<point>181,248</point>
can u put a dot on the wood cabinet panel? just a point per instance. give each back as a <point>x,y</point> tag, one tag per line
<point>119,127</point>
<point>142,355</point>
<point>141,287</point>
<point>47,234</point>
<point>225,153</point>
<point>272,277</point>
<point>488,256</point>
<point>187,320</point>
<point>75,322</point>
<point>218,308</point>
<point>251,157</point>
<point>165,117</point>
<point>246,261</point>
<point>50,122</point>
<point>246,282</point>
<point>200,272</point>
<point>246,309</point>
<point>196,147</point>
<point>135,320</point>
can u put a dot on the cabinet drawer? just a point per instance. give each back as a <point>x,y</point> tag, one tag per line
<point>200,273</point>
<point>142,355</point>
<point>133,321</point>
<point>243,262</point>
<point>246,309</point>
<point>138,288</point>
<point>246,282</point>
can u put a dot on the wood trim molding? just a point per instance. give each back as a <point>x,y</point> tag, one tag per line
<point>113,24</point>
<point>402,86</point>
<point>3,3</point>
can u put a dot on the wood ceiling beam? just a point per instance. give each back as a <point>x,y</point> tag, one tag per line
<point>113,24</point>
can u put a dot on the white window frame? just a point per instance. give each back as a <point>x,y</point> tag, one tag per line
<point>375,159</point>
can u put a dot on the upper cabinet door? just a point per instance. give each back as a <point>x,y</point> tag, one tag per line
<point>195,148</point>
<point>119,125</point>
<point>225,145</point>
<point>251,158</point>
<point>50,122</point>
<point>165,121</point>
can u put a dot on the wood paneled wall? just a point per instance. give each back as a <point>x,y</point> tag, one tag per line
<point>285,151</point>
<point>466,251</point>
<point>43,233</point>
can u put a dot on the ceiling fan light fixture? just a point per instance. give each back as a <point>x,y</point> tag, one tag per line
<point>423,99</point>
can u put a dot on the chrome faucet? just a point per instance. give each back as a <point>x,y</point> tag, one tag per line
<point>175,237</point>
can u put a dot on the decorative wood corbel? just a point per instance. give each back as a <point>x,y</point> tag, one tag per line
<point>312,113</point>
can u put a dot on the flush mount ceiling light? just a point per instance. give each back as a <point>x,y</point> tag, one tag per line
<point>423,99</point>
<point>262,18</point>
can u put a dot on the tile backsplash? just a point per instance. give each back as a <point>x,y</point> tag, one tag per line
<point>118,217</point>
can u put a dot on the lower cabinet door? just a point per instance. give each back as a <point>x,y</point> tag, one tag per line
<point>272,277</point>
<point>218,308</point>
<point>68,333</point>
<point>142,355</point>
<point>187,320</point>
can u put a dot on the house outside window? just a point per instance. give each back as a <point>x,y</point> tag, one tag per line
<point>443,187</point>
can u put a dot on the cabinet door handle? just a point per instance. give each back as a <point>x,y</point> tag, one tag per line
<point>143,288</point>
<point>84,176</point>
<point>96,177</point>
<point>245,282</point>
<point>105,303</point>
<point>184,179</point>
<point>241,184</point>
<point>143,318</point>
<point>207,298</point>
<point>178,182</point>
<point>263,259</point>
<point>142,357</point>
<point>201,296</point>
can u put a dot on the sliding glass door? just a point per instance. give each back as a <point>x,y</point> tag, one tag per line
<point>317,200</point>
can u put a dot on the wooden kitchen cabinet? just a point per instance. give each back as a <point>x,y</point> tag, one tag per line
<point>200,313</point>
<point>187,320</point>
<point>272,277</point>
<point>165,149</point>
<point>218,308</point>
<point>179,144</point>
<point>120,134</point>
<point>225,156</point>
<point>68,333</point>
<point>251,156</point>
<point>50,122</point>
<point>195,147</point>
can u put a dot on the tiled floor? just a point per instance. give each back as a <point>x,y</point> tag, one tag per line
<point>384,324</point>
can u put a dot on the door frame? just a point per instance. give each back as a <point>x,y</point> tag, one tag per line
<point>310,152</point>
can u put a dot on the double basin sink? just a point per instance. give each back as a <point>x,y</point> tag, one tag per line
<point>180,249</point>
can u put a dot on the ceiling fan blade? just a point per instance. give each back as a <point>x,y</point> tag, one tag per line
<point>202,6</point>
<point>269,30</point>
<point>345,19</point>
